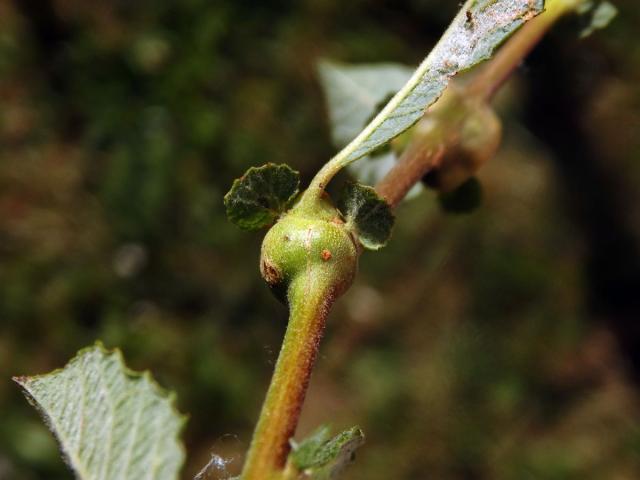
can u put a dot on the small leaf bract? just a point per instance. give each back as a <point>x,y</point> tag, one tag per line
<point>368,214</point>
<point>261,195</point>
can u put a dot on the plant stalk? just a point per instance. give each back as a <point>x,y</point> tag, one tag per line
<point>310,299</point>
<point>309,303</point>
<point>416,160</point>
<point>424,153</point>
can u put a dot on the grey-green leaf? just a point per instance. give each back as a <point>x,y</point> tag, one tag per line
<point>321,458</point>
<point>110,422</point>
<point>479,28</point>
<point>368,214</point>
<point>601,16</point>
<point>261,195</point>
<point>355,93</point>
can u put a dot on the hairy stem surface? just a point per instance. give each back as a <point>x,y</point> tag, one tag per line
<point>309,303</point>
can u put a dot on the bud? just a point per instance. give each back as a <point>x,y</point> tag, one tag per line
<point>472,132</point>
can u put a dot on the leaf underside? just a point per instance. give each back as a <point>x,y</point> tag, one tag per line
<point>261,195</point>
<point>323,458</point>
<point>479,28</point>
<point>368,213</point>
<point>110,422</point>
<point>355,94</point>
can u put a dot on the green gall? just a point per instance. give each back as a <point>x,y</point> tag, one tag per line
<point>313,242</point>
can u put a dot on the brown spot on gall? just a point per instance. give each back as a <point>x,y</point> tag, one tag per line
<point>270,273</point>
<point>326,255</point>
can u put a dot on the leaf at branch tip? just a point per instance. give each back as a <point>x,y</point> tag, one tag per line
<point>110,422</point>
<point>601,16</point>
<point>368,214</point>
<point>479,28</point>
<point>321,458</point>
<point>261,195</point>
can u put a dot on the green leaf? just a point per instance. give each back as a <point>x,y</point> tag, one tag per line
<point>479,28</point>
<point>110,422</point>
<point>261,195</point>
<point>321,458</point>
<point>601,16</point>
<point>355,94</point>
<point>368,214</point>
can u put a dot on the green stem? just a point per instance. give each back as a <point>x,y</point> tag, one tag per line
<point>322,178</point>
<point>309,303</point>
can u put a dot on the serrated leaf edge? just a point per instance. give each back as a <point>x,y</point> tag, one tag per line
<point>169,395</point>
<point>238,181</point>
<point>355,435</point>
<point>351,225</point>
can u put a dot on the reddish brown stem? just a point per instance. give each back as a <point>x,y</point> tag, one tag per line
<point>415,162</point>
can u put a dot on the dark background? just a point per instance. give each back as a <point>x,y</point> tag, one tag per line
<point>504,344</point>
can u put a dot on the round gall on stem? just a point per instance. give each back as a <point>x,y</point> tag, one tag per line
<point>308,258</point>
<point>305,242</point>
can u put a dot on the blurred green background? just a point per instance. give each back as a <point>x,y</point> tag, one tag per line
<point>503,344</point>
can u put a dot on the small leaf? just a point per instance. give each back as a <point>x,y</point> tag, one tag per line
<point>322,459</point>
<point>304,454</point>
<point>110,422</point>
<point>368,214</point>
<point>479,28</point>
<point>600,18</point>
<point>261,195</point>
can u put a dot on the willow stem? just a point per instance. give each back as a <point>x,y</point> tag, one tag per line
<point>423,154</point>
<point>309,303</point>
<point>414,163</point>
<point>310,299</point>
